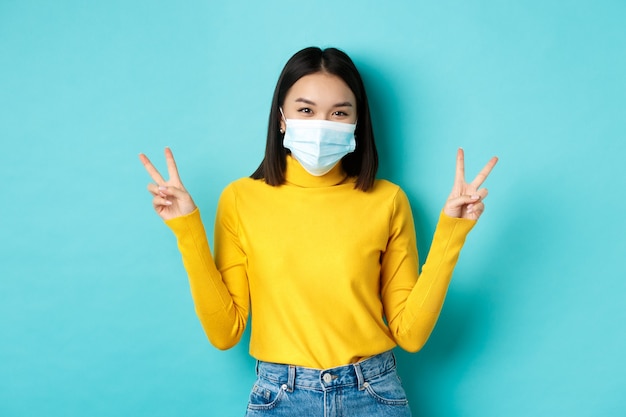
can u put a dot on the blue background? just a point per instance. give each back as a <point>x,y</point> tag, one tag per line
<point>95,313</point>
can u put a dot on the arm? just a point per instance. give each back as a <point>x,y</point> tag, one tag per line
<point>220,297</point>
<point>412,303</point>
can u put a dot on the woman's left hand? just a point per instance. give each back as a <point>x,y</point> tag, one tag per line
<point>466,200</point>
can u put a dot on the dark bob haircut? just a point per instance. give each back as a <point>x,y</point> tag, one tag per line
<point>363,162</point>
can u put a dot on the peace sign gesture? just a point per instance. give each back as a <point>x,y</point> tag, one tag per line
<point>170,197</point>
<point>466,200</point>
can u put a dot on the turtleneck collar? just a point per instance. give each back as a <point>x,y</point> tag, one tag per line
<point>296,175</point>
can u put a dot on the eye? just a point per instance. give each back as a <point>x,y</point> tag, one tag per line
<point>305,110</point>
<point>340,113</point>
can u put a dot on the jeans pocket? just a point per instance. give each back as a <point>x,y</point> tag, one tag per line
<point>265,395</point>
<point>387,389</point>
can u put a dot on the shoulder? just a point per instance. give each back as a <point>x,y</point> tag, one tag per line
<point>243,184</point>
<point>392,196</point>
<point>387,189</point>
<point>243,187</point>
<point>232,196</point>
<point>385,196</point>
<point>385,186</point>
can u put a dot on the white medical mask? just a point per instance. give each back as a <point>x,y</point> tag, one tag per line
<point>318,144</point>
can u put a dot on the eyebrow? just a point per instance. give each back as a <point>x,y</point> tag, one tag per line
<point>307,101</point>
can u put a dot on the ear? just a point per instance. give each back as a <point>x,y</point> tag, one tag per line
<point>281,127</point>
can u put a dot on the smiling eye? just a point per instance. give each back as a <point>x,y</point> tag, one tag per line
<point>340,113</point>
<point>305,110</point>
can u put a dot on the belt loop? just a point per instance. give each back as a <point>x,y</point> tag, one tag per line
<point>359,376</point>
<point>291,382</point>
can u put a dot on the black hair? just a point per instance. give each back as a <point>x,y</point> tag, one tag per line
<point>363,162</point>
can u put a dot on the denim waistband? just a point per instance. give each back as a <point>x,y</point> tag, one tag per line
<point>358,373</point>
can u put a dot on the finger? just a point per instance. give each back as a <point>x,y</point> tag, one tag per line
<point>484,173</point>
<point>476,209</point>
<point>159,201</point>
<point>172,169</point>
<point>155,189</point>
<point>152,171</point>
<point>172,191</point>
<point>457,202</point>
<point>459,178</point>
<point>476,197</point>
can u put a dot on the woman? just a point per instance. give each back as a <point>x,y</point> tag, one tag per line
<point>323,253</point>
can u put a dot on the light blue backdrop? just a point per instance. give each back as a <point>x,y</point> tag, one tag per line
<point>95,313</point>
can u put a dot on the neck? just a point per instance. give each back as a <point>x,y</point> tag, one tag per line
<point>295,174</point>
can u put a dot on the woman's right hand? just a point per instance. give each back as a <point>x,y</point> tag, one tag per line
<point>170,198</point>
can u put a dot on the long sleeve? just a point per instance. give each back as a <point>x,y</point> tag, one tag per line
<point>314,257</point>
<point>220,297</point>
<point>413,301</point>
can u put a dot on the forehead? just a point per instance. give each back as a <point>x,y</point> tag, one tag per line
<point>321,88</point>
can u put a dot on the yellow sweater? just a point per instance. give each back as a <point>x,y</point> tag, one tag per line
<point>331,272</point>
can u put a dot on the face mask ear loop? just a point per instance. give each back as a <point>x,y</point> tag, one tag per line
<point>280,129</point>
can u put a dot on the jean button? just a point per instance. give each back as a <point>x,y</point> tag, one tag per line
<point>327,378</point>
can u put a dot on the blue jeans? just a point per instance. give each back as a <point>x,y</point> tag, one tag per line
<point>367,388</point>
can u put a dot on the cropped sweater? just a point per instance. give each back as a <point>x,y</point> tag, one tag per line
<point>329,273</point>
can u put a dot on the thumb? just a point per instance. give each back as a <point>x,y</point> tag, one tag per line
<point>454,205</point>
<point>179,196</point>
<point>460,201</point>
<point>177,193</point>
